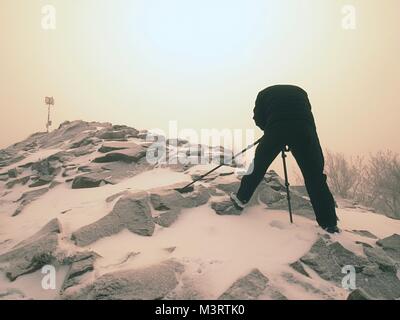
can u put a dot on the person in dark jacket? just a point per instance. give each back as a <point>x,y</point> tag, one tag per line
<point>284,113</point>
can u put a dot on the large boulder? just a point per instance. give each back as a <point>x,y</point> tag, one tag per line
<point>169,202</point>
<point>44,168</point>
<point>225,207</point>
<point>41,181</point>
<point>198,197</point>
<point>359,294</point>
<point>391,245</point>
<point>88,181</point>
<point>166,219</point>
<point>270,197</point>
<point>33,253</point>
<point>250,287</point>
<point>381,258</point>
<point>131,212</point>
<point>117,133</point>
<point>328,259</point>
<point>151,283</point>
<point>114,146</point>
<point>82,263</point>
<point>308,287</point>
<point>83,139</point>
<point>131,155</point>
<point>164,199</point>
<point>275,181</point>
<point>375,273</point>
<point>228,184</point>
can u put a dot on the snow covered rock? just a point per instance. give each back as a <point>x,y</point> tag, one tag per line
<point>381,258</point>
<point>113,146</point>
<point>133,154</point>
<point>225,207</point>
<point>131,212</point>
<point>275,181</point>
<point>41,181</point>
<point>197,198</point>
<point>167,218</point>
<point>359,294</point>
<point>228,184</point>
<point>251,287</point>
<point>27,198</point>
<point>87,181</point>
<point>82,263</point>
<point>328,259</point>
<point>290,278</point>
<point>152,283</point>
<point>117,133</point>
<point>23,181</point>
<point>375,274</point>
<point>391,245</point>
<point>164,199</point>
<point>33,253</point>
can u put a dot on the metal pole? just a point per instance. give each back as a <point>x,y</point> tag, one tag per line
<point>48,117</point>
<point>286,149</point>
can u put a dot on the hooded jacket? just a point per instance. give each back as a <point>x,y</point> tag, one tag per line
<point>282,103</point>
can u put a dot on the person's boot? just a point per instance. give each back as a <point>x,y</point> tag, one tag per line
<point>239,204</point>
<point>332,230</point>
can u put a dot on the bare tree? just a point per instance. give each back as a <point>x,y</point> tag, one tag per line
<point>383,182</point>
<point>345,176</point>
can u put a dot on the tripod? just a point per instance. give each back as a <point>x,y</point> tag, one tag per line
<point>284,156</point>
<point>189,187</point>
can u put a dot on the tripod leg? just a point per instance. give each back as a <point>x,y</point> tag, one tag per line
<point>287,184</point>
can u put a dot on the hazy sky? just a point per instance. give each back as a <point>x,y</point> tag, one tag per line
<point>202,63</point>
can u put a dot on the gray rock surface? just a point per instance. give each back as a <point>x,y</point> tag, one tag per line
<point>166,219</point>
<point>33,253</point>
<point>227,184</point>
<point>23,181</point>
<point>250,287</point>
<point>359,294</point>
<point>163,199</point>
<point>152,283</point>
<point>131,155</point>
<point>381,258</point>
<point>88,181</point>
<point>328,259</point>
<point>225,207</point>
<point>82,263</point>
<point>41,181</point>
<point>131,212</point>
<point>28,197</point>
<point>374,274</point>
<point>114,146</point>
<point>306,286</point>
<point>392,246</point>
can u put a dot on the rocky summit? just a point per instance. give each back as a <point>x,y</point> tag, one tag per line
<point>85,200</point>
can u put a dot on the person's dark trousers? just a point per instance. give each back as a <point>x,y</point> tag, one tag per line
<point>302,138</point>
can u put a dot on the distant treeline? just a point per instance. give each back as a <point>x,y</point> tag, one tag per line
<point>373,181</point>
